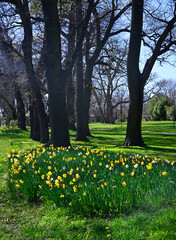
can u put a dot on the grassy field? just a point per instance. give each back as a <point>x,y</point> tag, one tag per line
<point>112,136</point>
<point>20,220</point>
<point>158,126</point>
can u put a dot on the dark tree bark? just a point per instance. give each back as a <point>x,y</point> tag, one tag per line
<point>133,134</point>
<point>23,11</point>
<point>87,95</point>
<point>70,95</point>
<point>34,120</point>
<point>31,116</point>
<point>70,91</point>
<point>81,133</point>
<point>20,108</point>
<point>135,83</point>
<point>55,76</point>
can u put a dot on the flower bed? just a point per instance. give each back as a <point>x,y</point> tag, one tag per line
<point>91,181</point>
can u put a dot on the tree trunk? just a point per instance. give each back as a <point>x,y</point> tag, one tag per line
<point>70,93</point>
<point>38,97</point>
<point>109,114</point>
<point>55,76</point>
<point>27,50</point>
<point>34,122</point>
<point>31,115</point>
<point>100,107</point>
<point>20,109</point>
<point>133,134</point>
<point>87,96</point>
<point>135,80</point>
<point>81,133</point>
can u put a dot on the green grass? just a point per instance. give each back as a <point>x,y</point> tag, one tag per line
<point>112,136</point>
<point>20,220</point>
<point>155,126</point>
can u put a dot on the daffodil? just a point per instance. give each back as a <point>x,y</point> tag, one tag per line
<point>49,173</point>
<point>59,178</point>
<point>149,166</point>
<point>57,183</point>
<point>77,175</point>
<point>136,165</point>
<point>164,173</point>
<point>124,184</point>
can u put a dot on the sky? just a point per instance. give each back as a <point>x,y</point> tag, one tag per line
<point>165,72</point>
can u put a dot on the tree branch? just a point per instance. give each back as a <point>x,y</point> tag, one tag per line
<point>151,61</point>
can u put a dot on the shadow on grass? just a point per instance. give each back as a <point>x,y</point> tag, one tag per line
<point>160,140</point>
<point>158,149</point>
<point>166,150</point>
<point>13,135</point>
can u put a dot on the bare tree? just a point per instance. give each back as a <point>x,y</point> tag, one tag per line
<point>163,42</point>
<point>110,80</point>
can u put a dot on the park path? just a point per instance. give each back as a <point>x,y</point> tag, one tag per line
<point>164,133</point>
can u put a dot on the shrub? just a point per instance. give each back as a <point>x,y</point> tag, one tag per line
<point>171,113</point>
<point>91,181</point>
<point>159,112</point>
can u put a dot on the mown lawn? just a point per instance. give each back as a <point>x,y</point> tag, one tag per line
<point>155,126</point>
<point>20,220</point>
<point>112,136</point>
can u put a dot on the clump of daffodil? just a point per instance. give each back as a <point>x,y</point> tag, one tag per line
<point>89,180</point>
